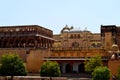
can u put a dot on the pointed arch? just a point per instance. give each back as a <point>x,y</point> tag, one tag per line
<point>67,68</point>
<point>81,68</point>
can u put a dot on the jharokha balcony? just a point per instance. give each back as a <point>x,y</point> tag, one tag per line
<point>25,36</point>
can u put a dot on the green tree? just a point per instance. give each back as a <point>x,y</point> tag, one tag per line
<point>12,65</point>
<point>50,69</point>
<point>92,63</point>
<point>101,73</point>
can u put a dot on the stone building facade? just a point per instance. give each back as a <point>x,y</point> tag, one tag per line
<point>25,36</point>
<point>75,38</point>
<point>30,42</point>
<point>110,34</point>
<point>72,46</point>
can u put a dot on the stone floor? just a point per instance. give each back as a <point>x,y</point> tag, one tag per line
<point>70,76</point>
<point>77,76</point>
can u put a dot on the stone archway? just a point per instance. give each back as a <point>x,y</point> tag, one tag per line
<point>17,42</point>
<point>81,68</point>
<point>75,44</point>
<point>68,68</point>
<point>30,42</point>
<point>61,68</point>
<point>23,42</point>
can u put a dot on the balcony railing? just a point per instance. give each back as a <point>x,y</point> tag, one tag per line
<point>76,49</point>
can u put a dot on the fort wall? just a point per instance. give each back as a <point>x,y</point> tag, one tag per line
<point>21,52</point>
<point>114,65</point>
<point>33,58</point>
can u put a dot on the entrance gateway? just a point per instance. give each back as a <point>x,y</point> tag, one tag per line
<point>67,65</point>
<point>76,67</point>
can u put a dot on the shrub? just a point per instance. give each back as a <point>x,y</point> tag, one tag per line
<point>12,65</point>
<point>101,73</point>
<point>50,69</point>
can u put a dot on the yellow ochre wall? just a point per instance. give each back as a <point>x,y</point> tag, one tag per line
<point>35,59</point>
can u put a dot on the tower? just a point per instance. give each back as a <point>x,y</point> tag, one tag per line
<point>108,36</point>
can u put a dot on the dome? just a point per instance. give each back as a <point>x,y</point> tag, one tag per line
<point>115,47</point>
<point>75,30</point>
<point>85,30</point>
<point>71,27</point>
<point>65,29</point>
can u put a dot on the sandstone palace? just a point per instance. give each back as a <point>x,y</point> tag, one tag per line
<point>70,48</point>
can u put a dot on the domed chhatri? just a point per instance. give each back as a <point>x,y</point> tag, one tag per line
<point>115,47</point>
<point>114,51</point>
<point>73,29</point>
<point>65,29</point>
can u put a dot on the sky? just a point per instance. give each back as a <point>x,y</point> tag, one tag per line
<point>55,14</point>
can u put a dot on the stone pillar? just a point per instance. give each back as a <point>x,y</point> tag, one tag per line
<point>71,66</point>
<point>35,44</point>
<point>51,42</point>
<point>2,43</point>
<point>63,67</point>
<point>48,43</point>
<point>75,67</point>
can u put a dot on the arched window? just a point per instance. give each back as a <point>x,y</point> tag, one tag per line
<point>81,68</point>
<point>78,35</point>
<point>75,44</point>
<point>67,68</point>
<point>75,36</point>
<point>98,45</point>
<point>71,36</point>
<point>93,45</point>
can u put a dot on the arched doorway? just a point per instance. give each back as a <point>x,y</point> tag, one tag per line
<point>81,68</point>
<point>67,68</point>
<point>75,44</point>
<point>61,69</point>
